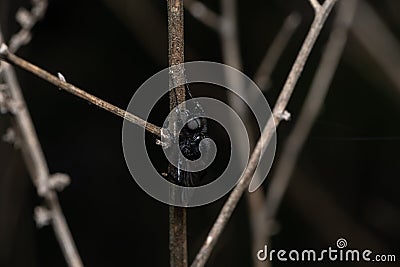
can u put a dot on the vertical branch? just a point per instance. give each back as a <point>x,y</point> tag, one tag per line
<point>176,51</point>
<point>177,215</point>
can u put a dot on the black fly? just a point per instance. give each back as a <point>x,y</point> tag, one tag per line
<point>192,133</point>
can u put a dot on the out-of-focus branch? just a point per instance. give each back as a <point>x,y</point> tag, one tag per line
<point>328,218</point>
<point>27,19</point>
<point>201,12</point>
<point>379,42</point>
<point>262,76</point>
<point>60,83</point>
<point>226,26</point>
<point>273,122</point>
<point>142,18</point>
<point>315,4</point>
<point>310,109</point>
<point>33,155</point>
<point>229,35</point>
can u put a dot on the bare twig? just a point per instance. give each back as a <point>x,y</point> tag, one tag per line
<point>62,231</point>
<point>37,164</point>
<point>17,61</point>
<point>262,78</point>
<point>27,19</point>
<point>310,109</point>
<point>232,56</point>
<point>230,204</point>
<point>177,215</point>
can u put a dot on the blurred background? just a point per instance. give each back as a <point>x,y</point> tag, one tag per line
<point>345,184</point>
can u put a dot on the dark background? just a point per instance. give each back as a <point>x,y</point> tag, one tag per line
<point>346,183</point>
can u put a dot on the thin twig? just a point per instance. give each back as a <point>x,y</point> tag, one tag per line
<point>262,78</point>
<point>62,232</point>
<point>310,109</point>
<point>19,62</point>
<point>37,165</point>
<point>273,122</point>
<point>177,215</point>
<point>27,20</point>
<point>232,56</point>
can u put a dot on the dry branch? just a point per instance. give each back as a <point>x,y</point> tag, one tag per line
<point>311,107</point>
<point>60,83</point>
<point>31,148</point>
<point>177,215</point>
<point>308,114</point>
<point>230,204</point>
<point>375,36</point>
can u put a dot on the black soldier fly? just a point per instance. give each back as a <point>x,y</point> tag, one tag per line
<point>190,136</point>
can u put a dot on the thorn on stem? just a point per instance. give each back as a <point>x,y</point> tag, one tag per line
<point>61,77</point>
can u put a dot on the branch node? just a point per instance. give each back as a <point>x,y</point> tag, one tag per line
<point>42,216</point>
<point>285,115</point>
<point>59,181</point>
<point>14,106</point>
<point>316,5</point>
<point>24,18</point>
<point>165,135</point>
<point>3,51</point>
